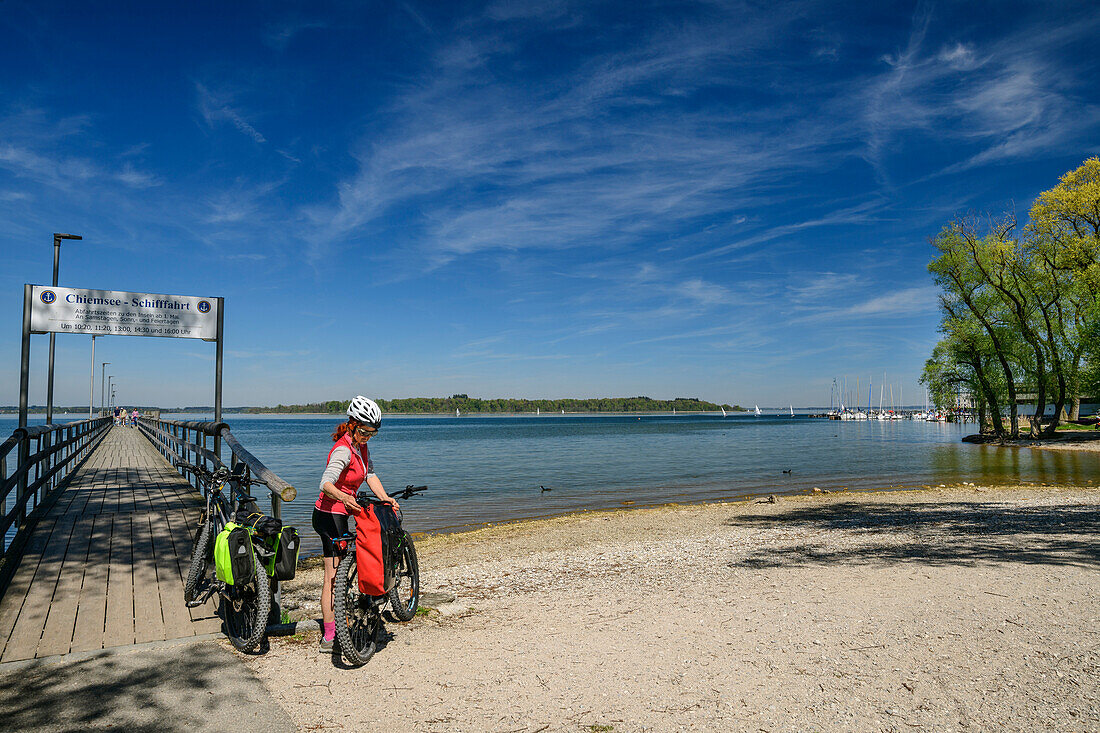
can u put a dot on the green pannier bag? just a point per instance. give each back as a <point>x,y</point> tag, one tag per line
<point>233,559</point>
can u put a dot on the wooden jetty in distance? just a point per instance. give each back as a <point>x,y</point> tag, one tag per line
<point>103,527</point>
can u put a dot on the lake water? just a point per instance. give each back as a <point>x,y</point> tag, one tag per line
<point>490,469</point>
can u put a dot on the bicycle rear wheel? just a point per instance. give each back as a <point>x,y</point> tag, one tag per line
<point>245,610</point>
<point>357,618</point>
<point>405,593</point>
<point>198,576</point>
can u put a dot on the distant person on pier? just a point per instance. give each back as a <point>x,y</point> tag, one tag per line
<point>133,418</point>
<point>116,414</point>
<point>349,466</point>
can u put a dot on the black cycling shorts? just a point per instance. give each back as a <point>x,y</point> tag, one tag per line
<point>330,527</point>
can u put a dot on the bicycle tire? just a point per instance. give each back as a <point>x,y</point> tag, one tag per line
<point>246,618</point>
<point>405,593</point>
<point>357,619</point>
<point>200,562</point>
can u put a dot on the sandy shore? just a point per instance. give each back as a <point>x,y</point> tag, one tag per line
<point>964,608</point>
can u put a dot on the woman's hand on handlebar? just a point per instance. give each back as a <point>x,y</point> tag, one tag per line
<point>351,504</point>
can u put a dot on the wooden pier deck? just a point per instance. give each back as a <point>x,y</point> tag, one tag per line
<point>105,566</point>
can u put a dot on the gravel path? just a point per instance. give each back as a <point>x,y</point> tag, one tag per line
<point>965,608</point>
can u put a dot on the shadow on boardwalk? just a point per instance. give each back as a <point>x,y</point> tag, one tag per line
<point>949,533</point>
<point>185,687</point>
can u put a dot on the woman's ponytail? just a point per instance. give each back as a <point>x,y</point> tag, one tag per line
<point>344,428</point>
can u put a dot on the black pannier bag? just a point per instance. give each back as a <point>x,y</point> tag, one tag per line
<point>390,530</point>
<point>277,546</point>
<point>284,560</point>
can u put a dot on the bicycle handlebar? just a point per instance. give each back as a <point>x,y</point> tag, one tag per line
<point>370,498</point>
<point>221,475</point>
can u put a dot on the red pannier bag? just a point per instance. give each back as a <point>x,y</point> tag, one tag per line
<point>368,552</point>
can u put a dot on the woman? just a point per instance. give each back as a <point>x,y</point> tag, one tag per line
<point>349,465</point>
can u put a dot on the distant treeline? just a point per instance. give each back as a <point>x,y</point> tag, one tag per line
<point>470,405</point>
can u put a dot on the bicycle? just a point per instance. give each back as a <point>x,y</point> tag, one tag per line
<point>358,615</point>
<point>244,608</point>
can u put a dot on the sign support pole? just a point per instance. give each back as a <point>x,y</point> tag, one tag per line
<point>91,383</point>
<point>218,375</point>
<point>25,357</point>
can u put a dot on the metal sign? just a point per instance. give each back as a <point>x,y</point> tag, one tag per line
<point>114,313</point>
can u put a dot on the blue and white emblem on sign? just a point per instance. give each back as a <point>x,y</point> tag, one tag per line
<point>204,307</point>
<point>48,296</point>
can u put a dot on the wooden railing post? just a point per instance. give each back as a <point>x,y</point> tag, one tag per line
<point>23,469</point>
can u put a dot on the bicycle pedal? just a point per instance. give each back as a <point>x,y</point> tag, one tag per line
<point>206,596</point>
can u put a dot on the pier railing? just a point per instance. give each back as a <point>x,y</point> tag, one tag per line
<point>41,459</point>
<point>202,443</point>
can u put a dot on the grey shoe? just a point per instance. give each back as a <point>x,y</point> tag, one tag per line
<point>326,645</point>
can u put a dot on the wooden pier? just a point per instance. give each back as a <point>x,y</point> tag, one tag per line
<point>105,565</point>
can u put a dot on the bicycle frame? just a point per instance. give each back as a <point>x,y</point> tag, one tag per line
<point>219,510</point>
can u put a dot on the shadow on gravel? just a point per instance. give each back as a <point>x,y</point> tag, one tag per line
<point>952,533</point>
<point>197,687</point>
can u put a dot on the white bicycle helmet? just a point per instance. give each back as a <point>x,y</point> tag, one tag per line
<point>365,411</point>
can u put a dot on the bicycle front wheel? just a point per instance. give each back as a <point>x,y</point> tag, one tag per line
<point>245,610</point>
<point>198,574</point>
<point>405,593</point>
<point>357,618</point>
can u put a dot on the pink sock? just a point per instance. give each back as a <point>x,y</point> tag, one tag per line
<point>330,631</point>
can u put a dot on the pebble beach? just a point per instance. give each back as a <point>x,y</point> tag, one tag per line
<point>956,608</point>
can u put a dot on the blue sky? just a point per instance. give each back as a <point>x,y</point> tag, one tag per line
<point>535,199</point>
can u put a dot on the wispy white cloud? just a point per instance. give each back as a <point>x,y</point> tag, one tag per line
<point>812,289</point>
<point>561,165</point>
<point>1011,97</point>
<point>904,302</point>
<point>32,144</point>
<point>863,213</point>
<point>216,108</point>
<point>279,35</point>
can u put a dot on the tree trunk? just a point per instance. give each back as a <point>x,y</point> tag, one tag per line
<point>1075,409</point>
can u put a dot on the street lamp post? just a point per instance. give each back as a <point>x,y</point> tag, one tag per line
<point>57,237</point>
<point>102,377</point>
<point>110,391</point>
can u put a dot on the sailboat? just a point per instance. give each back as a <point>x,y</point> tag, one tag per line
<point>538,411</point>
<point>723,410</point>
<point>756,411</point>
<point>456,412</point>
<point>792,409</point>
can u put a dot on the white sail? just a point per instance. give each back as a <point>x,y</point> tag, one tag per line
<point>792,410</point>
<point>456,412</point>
<point>723,411</point>
<point>756,411</point>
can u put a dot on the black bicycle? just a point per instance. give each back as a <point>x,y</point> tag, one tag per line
<point>244,607</point>
<point>358,615</point>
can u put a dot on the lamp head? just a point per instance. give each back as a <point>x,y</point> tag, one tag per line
<point>58,236</point>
